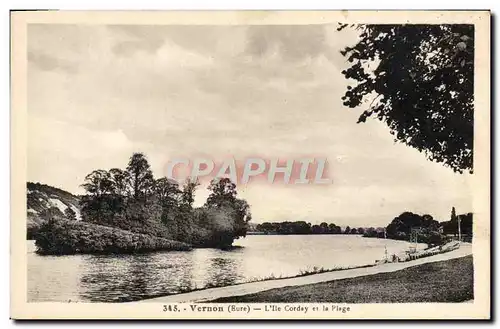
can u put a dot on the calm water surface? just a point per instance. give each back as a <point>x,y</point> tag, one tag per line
<point>118,278</point>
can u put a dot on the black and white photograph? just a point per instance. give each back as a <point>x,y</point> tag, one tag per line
<point>253,167</point>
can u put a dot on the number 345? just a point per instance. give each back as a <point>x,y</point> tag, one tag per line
<point>170,308</point>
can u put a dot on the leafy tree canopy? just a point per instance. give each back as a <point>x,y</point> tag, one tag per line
<point>418,79</point>
<point>140,173</point>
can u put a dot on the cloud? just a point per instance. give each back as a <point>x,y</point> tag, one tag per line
<point>293,43</point>
<point>50,63</point>
<point>271,91</point>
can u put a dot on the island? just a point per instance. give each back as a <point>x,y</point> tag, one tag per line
<point>129,210</point>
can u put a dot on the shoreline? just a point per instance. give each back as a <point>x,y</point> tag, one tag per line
<point>424,283</point>
<point>208,294</point>
<point>184,246</point>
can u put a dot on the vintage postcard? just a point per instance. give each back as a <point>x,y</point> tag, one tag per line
<point>250,165</point>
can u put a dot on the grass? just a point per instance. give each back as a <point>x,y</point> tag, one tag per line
<point>306,272</point>
<point>446,281</point>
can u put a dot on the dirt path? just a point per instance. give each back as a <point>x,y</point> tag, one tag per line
<point>254,287</point>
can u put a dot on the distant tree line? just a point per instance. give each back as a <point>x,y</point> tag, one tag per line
<point>132,199</point>
<point>407,226</point>
<point>302,227</point>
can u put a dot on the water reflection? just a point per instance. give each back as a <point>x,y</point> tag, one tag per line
<point>224,272</point>
<point>135,277</point>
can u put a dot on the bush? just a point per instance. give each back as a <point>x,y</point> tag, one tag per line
<point>213,227</point>
<point>56,237</point>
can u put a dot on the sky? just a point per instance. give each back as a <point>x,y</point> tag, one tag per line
<point>98,93</point>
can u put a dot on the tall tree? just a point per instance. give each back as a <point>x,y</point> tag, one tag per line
<point>188,192</point>
<point>98,182</point>
<point>168,192</point>
<point>121,181</point>
<point>418,79</point>
<point>242,211</point>
<point>141,176</point>
<point>223,193</point>
<point>453,217</point>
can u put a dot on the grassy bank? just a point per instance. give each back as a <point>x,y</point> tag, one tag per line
<point>446,281</point>
<point>57,237</point>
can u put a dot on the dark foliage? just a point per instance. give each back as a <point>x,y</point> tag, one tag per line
<point>48,189</point>
<point>418,79</point>
<point>302,227</point>
<point>451,226</point>
<point>70,214</point>
<point>372,232</point>
<point>425,228</point>
<point>135,201</point>
<point>57,237</point>
<point>40,205</point>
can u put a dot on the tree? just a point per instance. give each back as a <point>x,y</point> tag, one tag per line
<point>104,198</point>
<point>188,193</point>
<point>453,217</point>
<point>168,192</point>
<point>223,192</point>
<point>141,176</point>
<point>429,222</point>
<point>242,212</point>
<point>403,226</point>
<point>334,229</point>
<point>121,181</point>
<point>70,213</point>
<point>347,230</point>
<point>361,231</point>
<point>316,229</point>
<point>451,226</point>
<point>98,182</point>
<point>422,86</point>
<point>324,228</point>
<point>223,196</point>
<point>466,223</point>
<point>370,232</point>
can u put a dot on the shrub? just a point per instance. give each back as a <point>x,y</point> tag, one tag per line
<point>57,237</point>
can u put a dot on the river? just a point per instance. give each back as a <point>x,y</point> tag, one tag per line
<point>120,278</point>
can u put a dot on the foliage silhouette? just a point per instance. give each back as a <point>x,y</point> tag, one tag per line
<point>418,79</point>
<point>134,201</point>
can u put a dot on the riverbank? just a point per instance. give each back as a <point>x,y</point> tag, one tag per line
<point>57,237</point>
<point>258,287</point>
<point>418,284</point>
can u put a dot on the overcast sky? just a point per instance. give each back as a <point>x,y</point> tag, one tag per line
<point>98,93</point>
